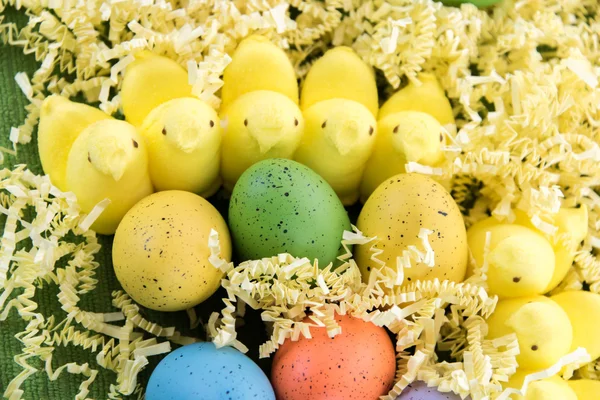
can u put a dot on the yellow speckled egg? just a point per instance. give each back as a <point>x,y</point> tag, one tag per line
<point>396,212</point>
<point>160,251</point>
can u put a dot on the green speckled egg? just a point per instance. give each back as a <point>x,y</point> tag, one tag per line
<point>281,206</point>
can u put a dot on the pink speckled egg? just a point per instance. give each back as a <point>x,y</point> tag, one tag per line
<point>357,364</point>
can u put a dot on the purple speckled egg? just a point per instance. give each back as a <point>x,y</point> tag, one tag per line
<point>420,391</point>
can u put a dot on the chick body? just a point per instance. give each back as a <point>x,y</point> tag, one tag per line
<point>183,137</point>
<point>258,64</point>
<point>402,137</point>
<point>340,74</point>
<point>108,160</point>
<point>258,125</point>
<point>61,122</point>
<point>429,98</point>
<point>150,81</point>
<point>338,138</point>
<point>551,388</point>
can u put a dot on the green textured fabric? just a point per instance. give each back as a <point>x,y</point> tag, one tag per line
<point>12,113</point>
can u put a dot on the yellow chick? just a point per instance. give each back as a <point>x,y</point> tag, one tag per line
<point>552,388</point>
<point>257,126</point>
<point>402,137</point>
<point>61,122</point>
<point>572,222</point>
<point>150,81</point>
<point>338,139</point>
<point>583,309</point>
<point>531,319</point>
<point>429,98</point>
<point>520,260</point>
<point>258,64</point>
<point>586,389</point>
<point>340,74</point>
<point>108,160</point>
<point>183,137</point>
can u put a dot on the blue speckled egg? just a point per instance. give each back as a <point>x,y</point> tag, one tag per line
<point>201,371</point>
<point>281,206</point>
<point>419,391</point>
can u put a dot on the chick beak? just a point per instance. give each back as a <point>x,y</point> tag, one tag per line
<point>344,136</point>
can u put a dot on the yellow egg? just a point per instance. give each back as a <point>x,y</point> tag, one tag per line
<point>396,212</point>
<point>552,388</point>
<point>520,260</point>
<point>583,309</point>
<point>585,389</point>
<point>532,319</point>
<point>160,252</point>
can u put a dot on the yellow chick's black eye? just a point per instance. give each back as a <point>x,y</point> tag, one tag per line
<point>295,121</point>
<point>324,124</point>
<point>164,131</point>
<point>212,123</point>
<point>246,122</point>
<point>89,158</point>
<point>371,130</point>
<point>135,144</point>
<point>396,128</point>
<point>441,137</point>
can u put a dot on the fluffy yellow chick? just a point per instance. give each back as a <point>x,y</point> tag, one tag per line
<point>258,64</point>
<point>257,126</point>
<point>583,309</point>
<point>61,122</point>
<point>552,388</point>
<point>183,137</point>
<point>340,74</point>
<point>402,137</point>
<point>108,160</point>
<point>150,81</point>
<point>338,139</point>
<point>532,319</point>
<point>520,260</point>
<point>429,98</point>
<point>572,222</point>
<point>586,389</point>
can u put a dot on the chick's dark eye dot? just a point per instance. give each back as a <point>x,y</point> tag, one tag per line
<point>135,144</point>
<point>396,128</point>
<point>164,131</point>
<point>89,158</point>
<point>516,279</point>
<point>246,122</point>
<point>212,123</point>
<point>324,124</point>
<point>441,137</point>
<point>371,130</point>
<point>296,122</point>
